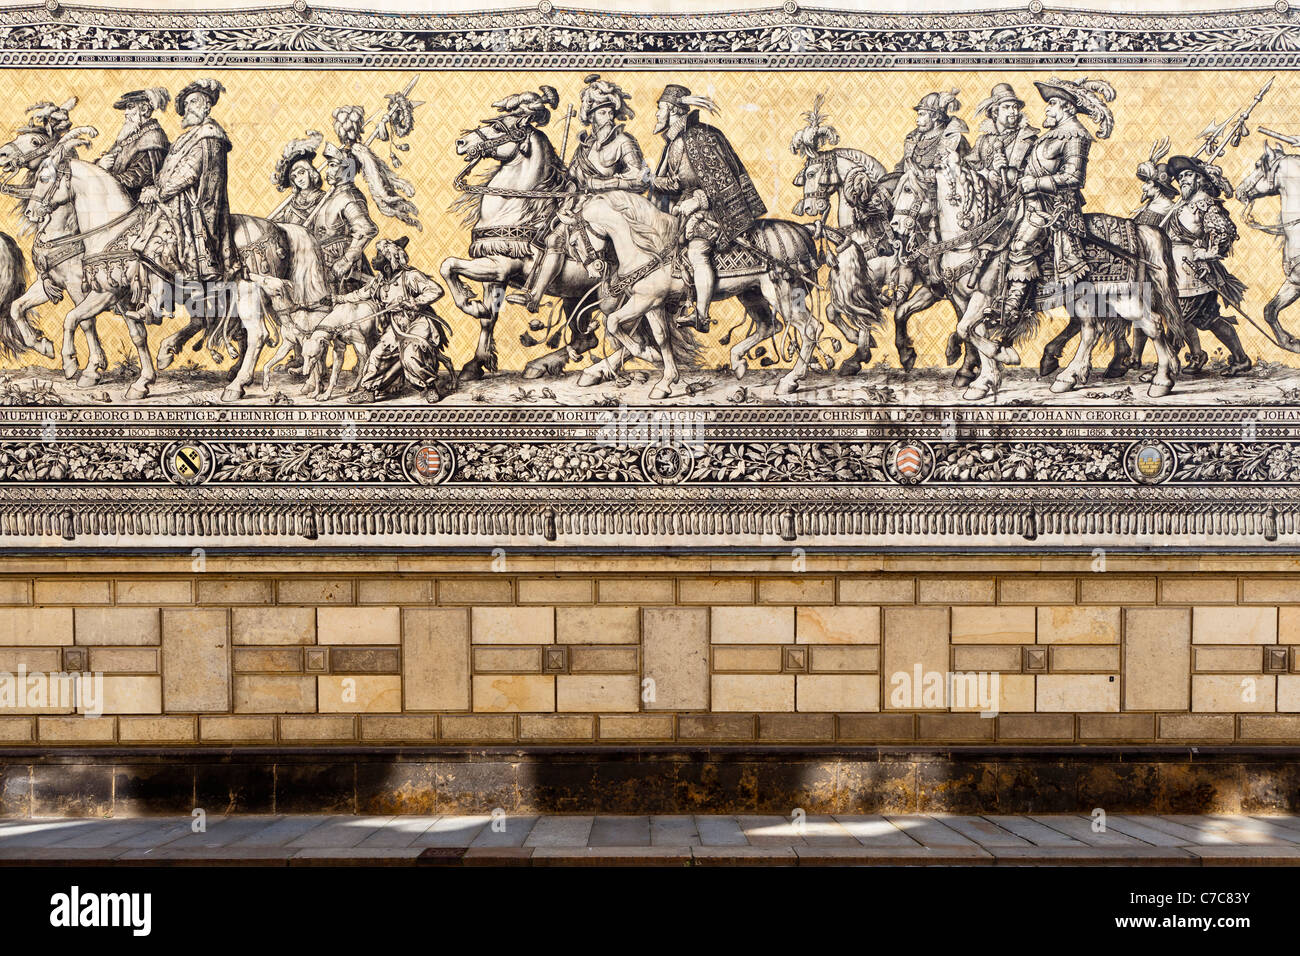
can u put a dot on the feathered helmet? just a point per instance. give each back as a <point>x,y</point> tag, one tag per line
<point>1083,96</point>
<point>211,89</point>
<point>344,158</point>
<point>600,93</point>
<point>156,98</point>
<point>532,108</point>
<point>296,151</point>
<point>817,133</point>
<point>941,104</point>
<point>675,94</point>
<point>1155,172</point>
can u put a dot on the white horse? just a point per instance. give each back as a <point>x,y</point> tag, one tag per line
<point>644,241</point>
<point>1277,173</point>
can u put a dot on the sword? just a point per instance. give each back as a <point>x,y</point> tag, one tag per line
<point>1206,276</point>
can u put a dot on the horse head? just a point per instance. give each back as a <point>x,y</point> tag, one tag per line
<point>24,151</point>
<point>820,179</point>
<point>913,206</point>
<point>504,138</point>
<point>52,185</point>
<point>1263,179</point>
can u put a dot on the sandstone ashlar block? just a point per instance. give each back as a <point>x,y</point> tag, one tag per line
<point>157,730</point>
<point>993,625</point>
<point>796,590</point>
<point>394,591</point>
<point>605,624</point>
<point>1036,727</point>
<point>117,625</point>
<point>641,727</point>
<point>1157,658</point>
<point>1198,589</point>
<point>123,660</point>
<point>973,691</point>
<point>234,591</point>
<point>1078,625</point>
<point>838,658</point>
<point>154,592</point>
<point>397,728</point>
<point>1275,728</point>
<point>15,591</point>
<point>1234,625</point>
<point>380,624</point>
<point>636,591</point>
<point>42,659</point>
<point>915,651</point>
<point>513,625</point>
<point>41,626</point>
<point>1003,658</point>
<point>131,695</point>
<point>675,658</point>
<point>875,728</point>
<point>846,624</point>
<point>956,590</point>
<point>237,730</point>
<point>752,625</point>
<point>1117,726</point>
<point>590,659</point>
<point>555,727</point>
<point>955,727</point>
<point>715,727</point>
<point>1227,660</point>
<point>1288,624</point>
<point>1278,590</point>
<point>195,660</point>
<point>1233,693</point>
<point>747,658</point>
<point>273,625</point>
<point>1105,588</point>
<point>1197,727</point>
<point>365,660</point>
<point>597,693</point>
<point>843,693</point>
<point>1288,693</point>
<point>311,729</point>
<point>715,591</point>
<point>566,590</point>
<point>814,728</point>
<point>1084,658</point>
<point>436,658</point>
<point>890,589</point>
<point>360,694</point>
<point>275,694</point>
<point>499,728</point>
<point>497,590</point>
<point>314,591</point>
<point>272,660</point>
<point>508,660</point>
<point>514,693</point>
<point>76,730</point>
<point>1081,693</point>
<point>65,591</point>
<point>1039,589</point>
<point>750,693</point>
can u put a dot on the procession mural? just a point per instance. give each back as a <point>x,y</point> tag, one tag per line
<point>603,305</point>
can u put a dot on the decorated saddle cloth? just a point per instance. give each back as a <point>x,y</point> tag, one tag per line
<point>1106,270</point>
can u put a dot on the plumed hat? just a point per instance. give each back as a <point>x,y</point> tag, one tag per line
<point>600,93</point>
<point>212,89</point>
<point>296,150</point>
<point>156,98</point>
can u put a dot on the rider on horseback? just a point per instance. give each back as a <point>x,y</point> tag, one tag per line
<point>937,134</point>
<point>716,199</point>
<point>1006,138</point>
<point>1202,234</point>
<point>140,149</point>
<point>1051,188</point>
<point>607,157</point>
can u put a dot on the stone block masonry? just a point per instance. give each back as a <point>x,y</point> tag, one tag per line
<point>337,652</point>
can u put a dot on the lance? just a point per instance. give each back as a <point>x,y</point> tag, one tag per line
<point>1207,276</point>
<point>1237,132</point>
<point>1280,137</point>
<point>564,143</point>
<point>387,114</point>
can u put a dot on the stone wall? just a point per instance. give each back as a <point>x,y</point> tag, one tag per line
<point>321,651</point>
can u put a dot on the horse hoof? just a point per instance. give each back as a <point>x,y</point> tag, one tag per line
<point>232,394</point>
<point>1050,364</point>
<point>660,392</point>
<point>473,371</point>
<point>849,368</point>
<point>1065,384</point>
<point>88,378</point>
<point>1159,390</point>
<point>137,392</point>
<point>1115,371</point>
<point>165,358</point>
<point>953,350</point>
<point>975,393</point>
<point>589,378</point>
<point>739,369</point>
<point>907,359</point>
<point>786,388</point>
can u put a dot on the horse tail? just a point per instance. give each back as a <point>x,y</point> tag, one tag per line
<point>1160,255</point>
<point>13,282</point>
<point>852,293</point>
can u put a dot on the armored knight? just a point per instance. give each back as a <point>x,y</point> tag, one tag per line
<point>296,169</point>
<point>608,157</point>
<point>137,155</point>
<point>341,223</point>
<point>937,134</point>
<point>1006,138</point>
<point>1051,216</point>
<point>701,179</point>
<point>1202,234</point>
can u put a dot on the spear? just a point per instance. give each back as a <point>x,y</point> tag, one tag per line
<point>383,119</point>
<point>1237,132</point>
<point>564,145</point>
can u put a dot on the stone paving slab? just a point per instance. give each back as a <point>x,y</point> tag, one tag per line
<point>677,840</point>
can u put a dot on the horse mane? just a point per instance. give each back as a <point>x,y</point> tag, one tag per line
<point>651,230</point>
<point>469,203</point>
